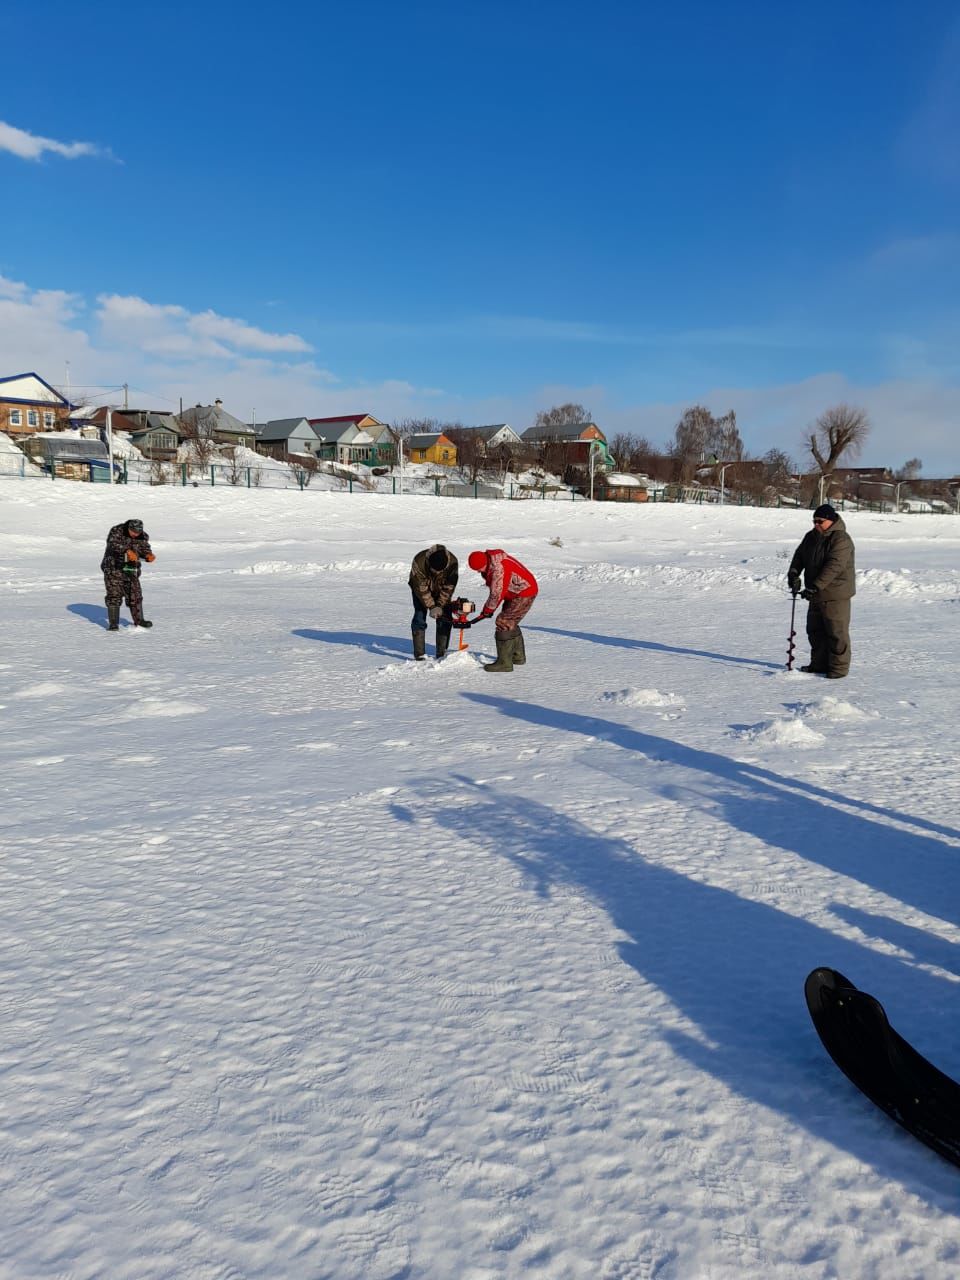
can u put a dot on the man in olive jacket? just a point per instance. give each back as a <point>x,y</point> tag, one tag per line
<point>825,558</point>
<point>433,578</point>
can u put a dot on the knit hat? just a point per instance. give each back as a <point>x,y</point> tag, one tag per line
<point>826,512</point>
<point>437,559</point>
<point>478,561</point>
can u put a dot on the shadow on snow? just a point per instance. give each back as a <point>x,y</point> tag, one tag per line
<point>95,613</point>
<point>735,966</point>
<point>622,642</point>
<point>379,645</point>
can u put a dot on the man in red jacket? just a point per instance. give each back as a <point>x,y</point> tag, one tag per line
<point>513,585</point>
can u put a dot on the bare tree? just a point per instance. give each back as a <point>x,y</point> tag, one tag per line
<point>198,442</point>
<point>910,470</point>
<point>779,469</point>
<point>700,437</point>
<point>561,414</point>
<point>472,456</point>
<point>838,432</point>
<point>303,467</point>
<point>621,449</point>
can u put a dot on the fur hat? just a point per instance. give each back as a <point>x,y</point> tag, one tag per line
<point>437,559</point>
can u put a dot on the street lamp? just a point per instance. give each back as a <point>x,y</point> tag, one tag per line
<point>715,461</point>
<point>891,484</point>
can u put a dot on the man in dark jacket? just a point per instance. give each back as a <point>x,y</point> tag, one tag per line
<point>825,558</point>
<point>127,546</point>
<point>433,578</point>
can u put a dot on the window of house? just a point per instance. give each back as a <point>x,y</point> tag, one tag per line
<point>33,418</point>
<point>16,417</point>
<point>163,440</point>
<point>48,418</point>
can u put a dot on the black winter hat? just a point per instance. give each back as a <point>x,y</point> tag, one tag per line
<point>826,512</point>
<point>437,559</point>
<point>135,524</point>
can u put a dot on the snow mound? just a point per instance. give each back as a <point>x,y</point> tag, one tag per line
<point>781,733</point>
<point>833,709</point>
<point>904,582</point>
<point>642,698</point>
<point>160,707</point>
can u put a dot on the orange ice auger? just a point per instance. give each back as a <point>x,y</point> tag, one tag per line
<point>460,613</point>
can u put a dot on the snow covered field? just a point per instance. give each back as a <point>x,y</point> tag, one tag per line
<point>320,963</point>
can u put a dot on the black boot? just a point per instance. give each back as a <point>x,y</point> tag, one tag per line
<point>443,639</point>
<point>113,617</point>
<point>419,645</point>
<point>519,649</point>
<point>139,620</point>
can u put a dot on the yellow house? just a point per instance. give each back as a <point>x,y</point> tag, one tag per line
<point>432,447</point>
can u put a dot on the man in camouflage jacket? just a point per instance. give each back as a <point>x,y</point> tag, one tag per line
<point>433,579</point>
<point>127,545</point>
<point>825,558</point>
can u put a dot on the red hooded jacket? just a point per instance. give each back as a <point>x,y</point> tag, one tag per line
<point>507,579</point>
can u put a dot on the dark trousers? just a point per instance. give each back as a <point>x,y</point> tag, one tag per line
<point>122,586</point>
<point>419,623</point>
<point>828,630</point>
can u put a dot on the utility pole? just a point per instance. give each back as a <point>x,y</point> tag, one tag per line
<point>110,439</point>
<point>126,403</point>
<point>400,456</point>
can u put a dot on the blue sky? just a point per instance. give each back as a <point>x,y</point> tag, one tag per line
<point>474,211</point>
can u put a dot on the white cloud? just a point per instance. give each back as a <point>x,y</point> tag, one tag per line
<point>30,146</point>
<point>170,330</point>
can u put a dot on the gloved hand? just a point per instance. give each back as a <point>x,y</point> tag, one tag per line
<point>793,580</point>
<point>132,557</point>
<point>484,613</point>
<point>436,612</point>
<point>809,593</point>
<point>150,557</point>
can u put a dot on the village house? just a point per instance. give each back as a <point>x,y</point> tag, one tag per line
<point>212,422</point>
<point>576,439</point>
<point>358,437</point>
<point>284,436</point>
<point>157,435</point>
<point>29,405</point>
<point>498,435</point>
<point>431,446</point>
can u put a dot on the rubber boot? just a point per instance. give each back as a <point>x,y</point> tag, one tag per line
<point>113,617</point>
<point>139,620</point>
<point>419,645</point>
<point>505,648</point>
<point>519,649</point>
<point>443,639</point>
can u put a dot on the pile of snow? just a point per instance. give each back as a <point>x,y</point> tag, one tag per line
<point>642,698</point>
<point>792,732</point>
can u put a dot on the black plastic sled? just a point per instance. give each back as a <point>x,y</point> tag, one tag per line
<point>856,1034</point>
